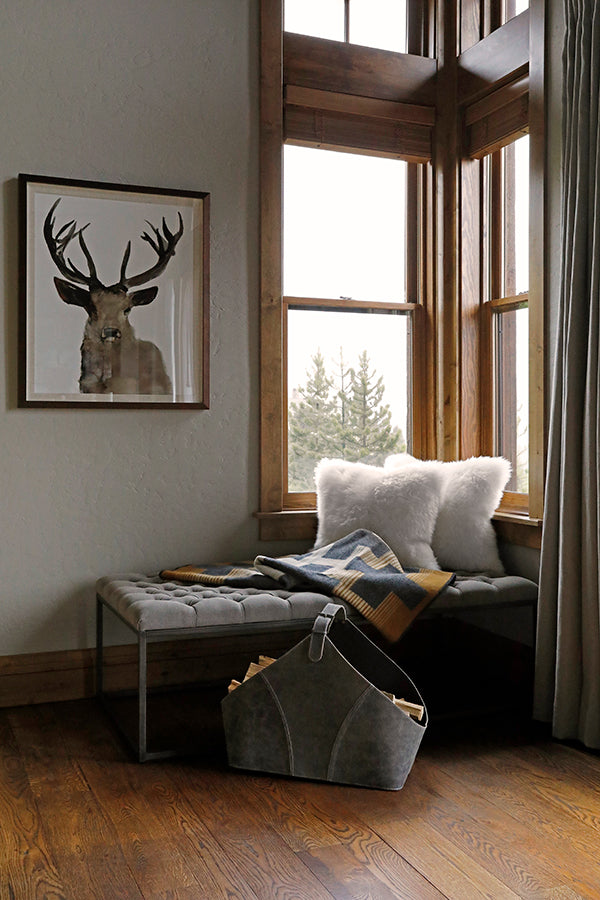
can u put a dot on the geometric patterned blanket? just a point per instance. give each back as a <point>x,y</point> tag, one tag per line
<point>359,568</point>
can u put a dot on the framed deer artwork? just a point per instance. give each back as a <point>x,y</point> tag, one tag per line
<point>114,295</point>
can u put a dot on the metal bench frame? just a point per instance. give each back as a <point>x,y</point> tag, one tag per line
<point>143,638</point>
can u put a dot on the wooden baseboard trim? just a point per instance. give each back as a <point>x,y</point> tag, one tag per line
<point>31,678</point>
<point>44,677</point>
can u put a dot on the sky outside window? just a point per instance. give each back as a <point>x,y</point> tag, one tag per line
<point>344,225</point>
<point>516,229</point>
<point>379,23</point>
<point>317,18</point>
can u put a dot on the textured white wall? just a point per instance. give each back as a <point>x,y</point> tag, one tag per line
<point>145,92</point>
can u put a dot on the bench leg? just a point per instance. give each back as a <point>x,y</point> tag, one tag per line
<point>142,697</point>
<point>99,646</point>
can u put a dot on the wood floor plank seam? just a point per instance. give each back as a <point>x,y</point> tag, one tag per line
<point>276,877</point>
<point>441,859</point>
<point>233,839</point>
<point>140,817</point>
<point>143,783</point>
<point>332,863</point>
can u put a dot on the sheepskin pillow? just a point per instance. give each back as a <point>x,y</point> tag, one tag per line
<point>464,538</point>
<point>399,505</point>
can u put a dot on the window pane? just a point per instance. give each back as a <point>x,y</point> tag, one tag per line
<point>348,388</point>
<point>512,8</point>
<point>512,394</point>
<point>379,23</point>
<point>344,225</point>
<point>516,217</point>
<point>319,18</point>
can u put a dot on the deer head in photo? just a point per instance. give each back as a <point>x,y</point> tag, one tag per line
<point>113,360</point>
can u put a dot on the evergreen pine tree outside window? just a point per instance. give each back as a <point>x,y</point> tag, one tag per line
<point>311,426</point>
<point>370,436</point>
<point>352,423</point>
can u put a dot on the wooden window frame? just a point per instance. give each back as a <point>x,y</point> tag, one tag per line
<point>512,501</point>
<point>499,297</point>
<point>485,86</point>
<point>329,95</point>
<point>498,106</point>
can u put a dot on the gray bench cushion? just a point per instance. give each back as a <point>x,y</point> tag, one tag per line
<point>481,591</point>
<point>149,604</point>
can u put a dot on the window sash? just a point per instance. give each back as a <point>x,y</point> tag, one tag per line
<point>508,385</point>
<point>498,260</point>
<point>307,499</point>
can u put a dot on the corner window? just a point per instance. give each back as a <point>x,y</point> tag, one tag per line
<point>396,307</point>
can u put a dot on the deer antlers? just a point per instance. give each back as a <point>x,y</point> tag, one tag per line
<point>57,244</point>
<point>162,244</point>
<point>164,247</point>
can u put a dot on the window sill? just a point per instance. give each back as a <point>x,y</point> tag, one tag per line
<point>518,528</point>
<point>301,525</point>
<point>287,525</point>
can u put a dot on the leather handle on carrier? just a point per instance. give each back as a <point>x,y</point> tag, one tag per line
<point>320,629</point>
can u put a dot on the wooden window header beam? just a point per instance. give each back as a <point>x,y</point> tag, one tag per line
<point>336,121</point>
<point>496,100</point>
<point>501,57</point>
<point>356,134</point>
<point>373,306</point>
<point>360,106</point>
<point>494,121</point>
<point>350,69</point>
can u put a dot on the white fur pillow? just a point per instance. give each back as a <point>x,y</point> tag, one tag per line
<point>400,505</point>
<point>464,537</point>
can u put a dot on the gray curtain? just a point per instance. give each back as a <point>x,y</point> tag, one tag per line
<point>567,688</point>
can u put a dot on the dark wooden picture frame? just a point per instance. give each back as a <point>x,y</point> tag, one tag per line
<point>145,325</point>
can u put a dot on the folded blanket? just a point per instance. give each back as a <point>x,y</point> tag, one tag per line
<point>359,568</point>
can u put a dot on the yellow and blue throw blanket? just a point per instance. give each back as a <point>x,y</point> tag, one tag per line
<point>359,568</point>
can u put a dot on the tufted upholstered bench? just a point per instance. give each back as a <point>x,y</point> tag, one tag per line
<point>156,610</point>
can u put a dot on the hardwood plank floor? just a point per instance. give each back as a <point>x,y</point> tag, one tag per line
<point>492,808</point>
